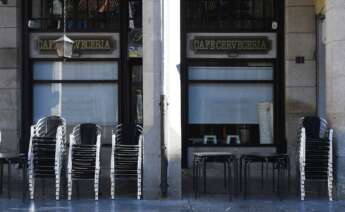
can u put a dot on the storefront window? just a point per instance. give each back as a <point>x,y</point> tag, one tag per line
<point>229,15</point>
<point>77,102</point>
<point>82,15</point>
<point>78,91</point>
<point>230,105</point>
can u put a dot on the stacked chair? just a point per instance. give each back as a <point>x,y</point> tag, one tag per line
<point>315,153</point>
<point>84,156</point>
<point>46,150</point>
<point>126,160</point>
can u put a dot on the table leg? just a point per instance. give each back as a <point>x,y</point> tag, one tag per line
<point>229,180</point>
<point>262,174</point>
<point>245,179</point>
<point>225,178</point>
<point>199,177</point>
<point>204,173</point>
<point>288,170</point>
<point>278,180</point>
<point>1,177</point>
<point>9,179</point>
<point>193,177</point>
<point>235,177</point>
<point>273,178</point>
<point>240,175</point>
<point>24,186</point>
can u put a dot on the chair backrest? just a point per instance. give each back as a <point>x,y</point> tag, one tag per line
<point>47,126</point>
<point>86,133</point>
<point>315,127</point>
<point>119,130</point>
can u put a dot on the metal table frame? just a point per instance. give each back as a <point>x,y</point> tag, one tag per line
<point>200,161</point>
<point>11,159</point>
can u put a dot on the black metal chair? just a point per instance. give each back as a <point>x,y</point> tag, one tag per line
<point>126,160</point>
<point>315,153</point>
<point>84,156</point>
<point>46,150</point>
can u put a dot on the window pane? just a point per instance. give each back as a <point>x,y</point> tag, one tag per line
<point>230,114</point>
<point>240,15</point>
<point>230,73</point>
<point>227,103</point>
<point>75,71</point>
<point>77,103</point>
<point>82,15</point>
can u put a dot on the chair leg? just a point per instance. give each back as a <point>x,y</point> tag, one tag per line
<point>112,186</point>
<point>57,187</point>
<point>9,179</point>
<point>31,185</point>
<point>330,190</point>
<point>302,187</point>
<point>139,181</point>
<point>69,187</point>
<point>96,186</point>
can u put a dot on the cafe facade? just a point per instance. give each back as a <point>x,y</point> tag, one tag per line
<point>198,75</point>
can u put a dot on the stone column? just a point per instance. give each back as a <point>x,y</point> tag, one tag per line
<point>9,72</point>
<point>335,80</point>
<point>161,77</point>
<point>172,91</point>
<point>300,78</point>
<point>152,87</point>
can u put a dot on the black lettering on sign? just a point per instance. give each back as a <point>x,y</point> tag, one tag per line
<point>228,45</point>
<point>93,45</point>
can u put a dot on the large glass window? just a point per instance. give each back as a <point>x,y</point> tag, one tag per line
<point>229,15</point>
<point>82,15</point>
<point>77,102</point>
<point>78,91</point>
<point>230,105</point>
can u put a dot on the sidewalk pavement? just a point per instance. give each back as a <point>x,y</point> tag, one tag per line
<point>187,205</point>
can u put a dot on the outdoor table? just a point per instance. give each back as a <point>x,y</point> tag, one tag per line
<point>10,159</point>
<point>279,162</point>
<point>200,161</point>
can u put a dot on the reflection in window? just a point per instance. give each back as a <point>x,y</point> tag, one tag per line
<point>135,32</point>
<point>242,15</point>
<point>81,15</point>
